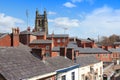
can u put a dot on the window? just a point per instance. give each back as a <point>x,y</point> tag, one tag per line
<point>47,54</point>
<point>63,40</point>
<point>106,55</point>
<point>98,55</point>
<point>91,69</point>
<point>63,77</point>
<point>112,56</point>
<point>73,75</point>
<point>58,40</point>
<point>38,22</point>
<point>47,47</point>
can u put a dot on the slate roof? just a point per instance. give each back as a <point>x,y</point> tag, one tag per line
<point>86,60</point>
<point>39,33</point>
<point>58,35</point>
<point>116,43</point>
<point>26,32</point>
<point>60,62</point>
<point>3,34</point>
<point>85,40</point>
<point>17,64</point>
<point>41,41</point>
<point>114,50</point>
<point>57,49</point>
<point>92,50</point>
<point>72,44</point>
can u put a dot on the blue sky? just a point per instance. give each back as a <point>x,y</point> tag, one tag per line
<point>82,18</point>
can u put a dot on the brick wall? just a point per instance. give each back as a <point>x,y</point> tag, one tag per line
<point>104,57</point>
<point>46,47</point>
<point>60,41</point>
<point>5,41</point>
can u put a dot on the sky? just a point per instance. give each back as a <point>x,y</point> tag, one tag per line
<point>78,18</point>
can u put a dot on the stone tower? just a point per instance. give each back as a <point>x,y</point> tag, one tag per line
<point>41,23</point>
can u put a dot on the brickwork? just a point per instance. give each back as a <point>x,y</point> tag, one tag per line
<point>15,37</point>
<point>5,41</point>
<point>46,47</point>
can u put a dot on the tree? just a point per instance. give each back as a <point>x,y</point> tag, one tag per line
<point>109,40</point>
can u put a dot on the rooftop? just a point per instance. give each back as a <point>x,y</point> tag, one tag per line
<point>17,63</point>
<point>86,60</point>
<point>92,50</point>
<point>57,35</point>
<point>3,34</point>
<point>60,62</point>
<point>114,50</point>
<point>84,40</point>
<point>26,32</point>
<point>72,44</point>
<point>41,41</point>
<point>115,43</point>
<point>39,33</point>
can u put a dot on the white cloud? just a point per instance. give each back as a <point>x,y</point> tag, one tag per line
<point>51,13</point>
<point>77,0</point>
<point>7,22</point>
<point>101,21</point>
<point>65,22</point>
<point>69,5</point>
<point>89,1</point>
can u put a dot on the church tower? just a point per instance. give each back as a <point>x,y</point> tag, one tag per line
<point>41,23</point>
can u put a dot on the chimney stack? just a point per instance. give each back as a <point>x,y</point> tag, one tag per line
<point>70,54</point>
<point>15,37</point>
<point>63,51</point>
<point>28,29</point>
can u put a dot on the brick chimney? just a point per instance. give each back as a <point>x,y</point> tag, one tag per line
<point>70,53</point>
<point>33,30</point>
<point>15,37</point>
<point>63,51</point>
<point>28,29</point>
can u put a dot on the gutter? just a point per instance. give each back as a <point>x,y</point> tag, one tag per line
<point>67,69</point>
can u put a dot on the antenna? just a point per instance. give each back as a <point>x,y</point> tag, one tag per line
<point>98,39</point>
<point>27,17</point>
<point>27,24</point>
<point>65,29</point>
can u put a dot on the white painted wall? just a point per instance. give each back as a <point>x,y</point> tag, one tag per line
<point>97,66</point>
<point>68,74</point>
<point>118,62</point>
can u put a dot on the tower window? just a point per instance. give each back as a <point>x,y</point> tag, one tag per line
<point>38,22</point>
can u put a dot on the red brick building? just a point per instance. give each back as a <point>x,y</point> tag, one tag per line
<point>26,36</point>
<point>59,39</point>
<point>115,54</point>
<point>7,40</point>
<point>114,50</point>
<point>44,47</point>
<point>86,43</point>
